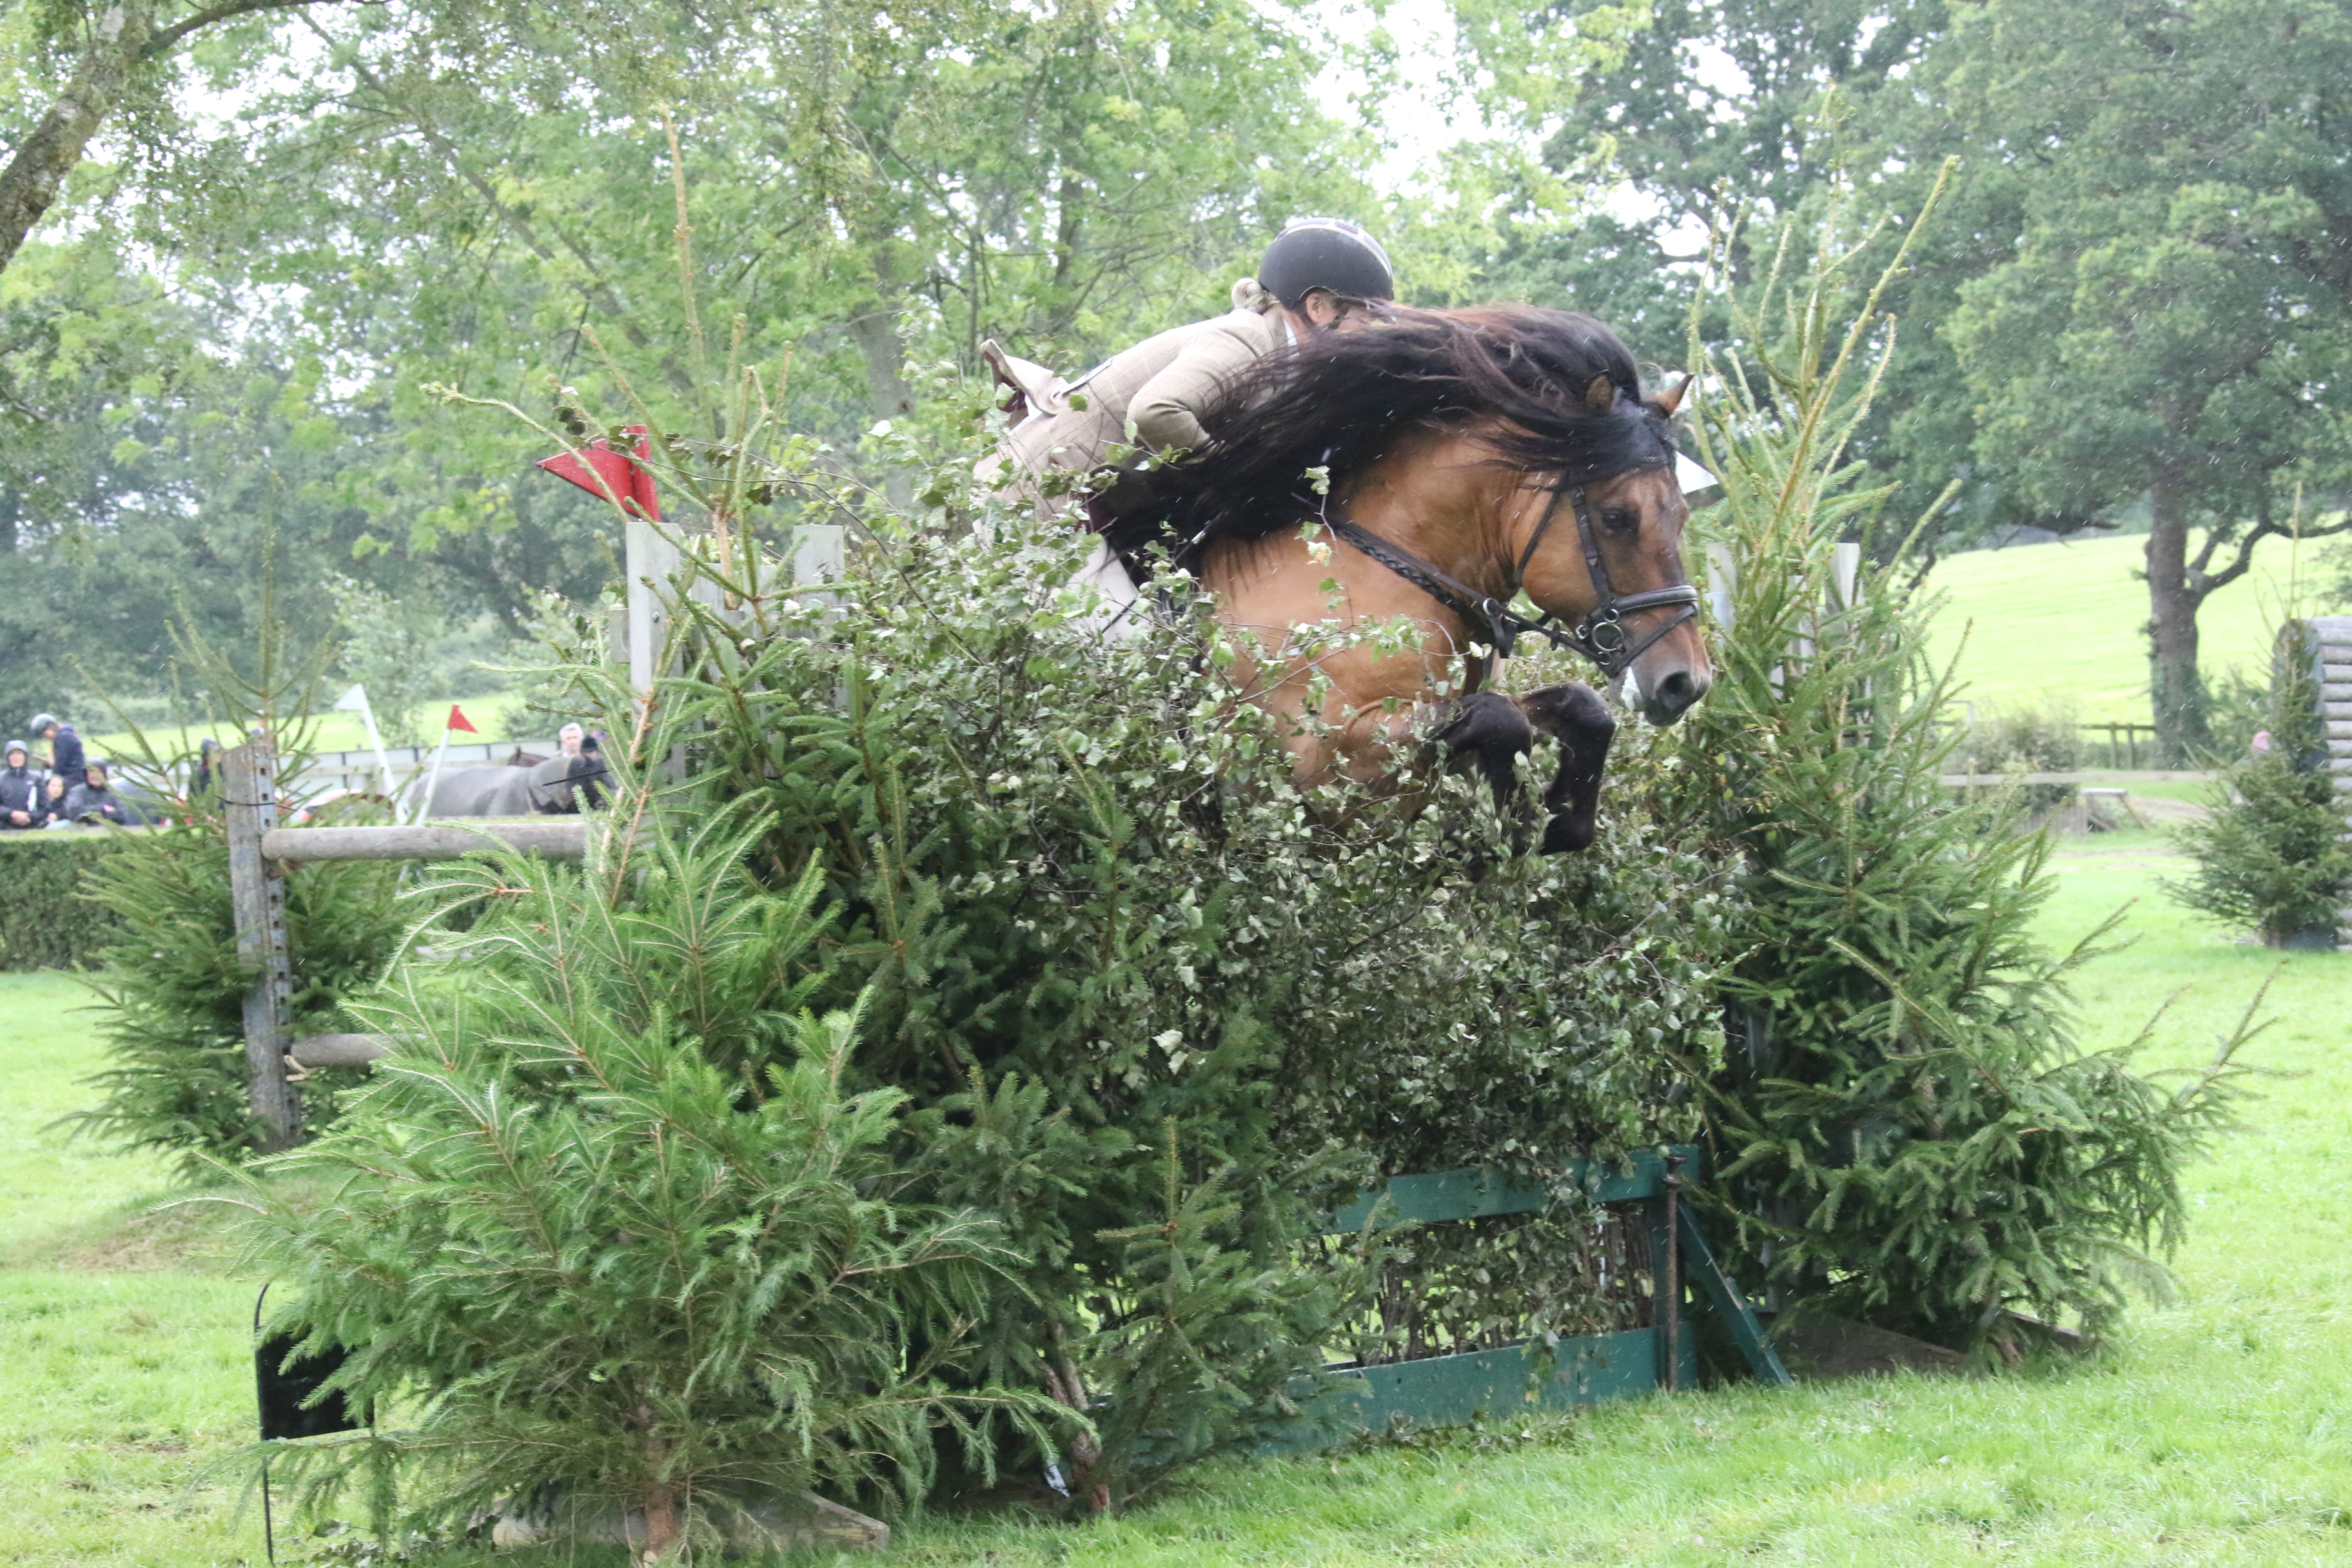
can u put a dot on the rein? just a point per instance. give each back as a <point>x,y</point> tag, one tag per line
<point>1599,635</point>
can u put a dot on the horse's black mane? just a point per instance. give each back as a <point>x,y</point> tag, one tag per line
<point>1338,401</point>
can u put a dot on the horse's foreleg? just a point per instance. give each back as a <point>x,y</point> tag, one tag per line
<point>1487,730</point>
<point>1576,715</point>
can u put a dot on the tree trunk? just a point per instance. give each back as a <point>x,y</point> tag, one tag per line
<point>2175,688</point>
<point>663,1526</point>
<point>874,330</point>
<point>31,184</point>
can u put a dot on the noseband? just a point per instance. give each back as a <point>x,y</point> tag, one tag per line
<point>1599,635</point>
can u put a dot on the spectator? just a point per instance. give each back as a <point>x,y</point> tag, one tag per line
<point>92,800</point>
<point>588,772</point>
<point>201,782</point>
<point>20,790</point>
<point>53,802</point>
<point>65,745</point>
<point>570,738</point>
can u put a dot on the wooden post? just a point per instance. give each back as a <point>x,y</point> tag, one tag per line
<point>257,897</point>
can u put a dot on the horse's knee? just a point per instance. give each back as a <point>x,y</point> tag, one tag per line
<point>1484,720</point>
<point>1573,712</point>
<point>1488,730</point>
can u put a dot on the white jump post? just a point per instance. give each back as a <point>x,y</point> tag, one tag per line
<point>257,897</point>
<point>650,561</point>
<point>2327,642</point>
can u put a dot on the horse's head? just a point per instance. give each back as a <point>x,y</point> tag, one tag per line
<point>1635,520</point>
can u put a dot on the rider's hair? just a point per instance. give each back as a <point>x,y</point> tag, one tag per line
<point>1340,398</point>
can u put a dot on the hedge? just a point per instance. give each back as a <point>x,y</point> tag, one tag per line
<point>44,923</point>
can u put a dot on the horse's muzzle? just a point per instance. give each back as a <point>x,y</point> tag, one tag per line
<point>1671,695</point>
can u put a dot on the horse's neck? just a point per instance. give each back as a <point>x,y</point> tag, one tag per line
<point>1445,500</point>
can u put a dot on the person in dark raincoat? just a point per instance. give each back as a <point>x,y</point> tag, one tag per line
<point>94,800</point>
<point>20,789</point>
<point>64,747</point>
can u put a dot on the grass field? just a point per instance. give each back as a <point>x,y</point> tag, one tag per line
<point>2215,1431</point>
<point>497,715</point>
<point>2057,624</point>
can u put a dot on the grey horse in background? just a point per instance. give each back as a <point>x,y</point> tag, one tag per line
<point>559,786</point>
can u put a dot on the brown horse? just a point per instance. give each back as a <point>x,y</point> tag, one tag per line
<point>1429,466</point>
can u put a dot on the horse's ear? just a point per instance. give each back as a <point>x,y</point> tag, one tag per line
<point>1672,398</point>
<point>1602,396</point>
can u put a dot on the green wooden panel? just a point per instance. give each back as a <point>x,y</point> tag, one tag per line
<point>1701,1267</point>
<point>1445,1391</point>
<point>1476,1193</point>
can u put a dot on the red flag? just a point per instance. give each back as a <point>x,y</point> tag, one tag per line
<point>629,483</point>
<point>457,721</point>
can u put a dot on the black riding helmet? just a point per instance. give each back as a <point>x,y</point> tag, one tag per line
<point>1329,253</point>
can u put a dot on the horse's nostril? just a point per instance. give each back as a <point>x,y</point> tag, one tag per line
<point>1677,691</point>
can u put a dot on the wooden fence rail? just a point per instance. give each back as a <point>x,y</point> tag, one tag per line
<point>259,852</point>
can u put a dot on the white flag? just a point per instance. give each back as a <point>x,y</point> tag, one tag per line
<point>352,701</point>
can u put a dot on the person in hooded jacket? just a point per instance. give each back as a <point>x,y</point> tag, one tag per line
<point>64,747</point>
<point>53,802</point>
<point>20,790</point>
<point>94,800</point>
<point>201,776</point>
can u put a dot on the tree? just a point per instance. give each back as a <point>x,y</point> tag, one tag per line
<point>116,52</point>
<point>2176,319</point>
<point>1714,107</point>
<point>163,462</point>
<point>1906,1127</point>
<point>1743,118</point>
<point>2141,284</point>
<point>639,1244</point>
<point>2272,854</point>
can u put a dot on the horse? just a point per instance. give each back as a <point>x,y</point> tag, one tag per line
<point>1432,466</point>
<point>552,788</point>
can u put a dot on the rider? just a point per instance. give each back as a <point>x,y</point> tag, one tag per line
<point>1155,395</point>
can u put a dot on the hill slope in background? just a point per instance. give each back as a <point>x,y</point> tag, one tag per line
<point>2053,624</point>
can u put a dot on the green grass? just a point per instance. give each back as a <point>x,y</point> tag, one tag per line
<point>497,715</point>
<point>2056,624</point>
<point>2216,1431</point>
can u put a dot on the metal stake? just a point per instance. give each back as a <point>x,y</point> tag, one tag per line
<point>1670,1276</point>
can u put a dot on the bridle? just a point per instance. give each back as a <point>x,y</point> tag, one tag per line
<point>1599,635</point>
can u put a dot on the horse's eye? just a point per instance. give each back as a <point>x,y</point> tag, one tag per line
<point>1620,520</point>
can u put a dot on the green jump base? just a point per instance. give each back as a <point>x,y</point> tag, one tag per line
<point>1532,1377</point>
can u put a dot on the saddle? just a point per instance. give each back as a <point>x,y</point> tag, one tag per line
<point>1029,387</point>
